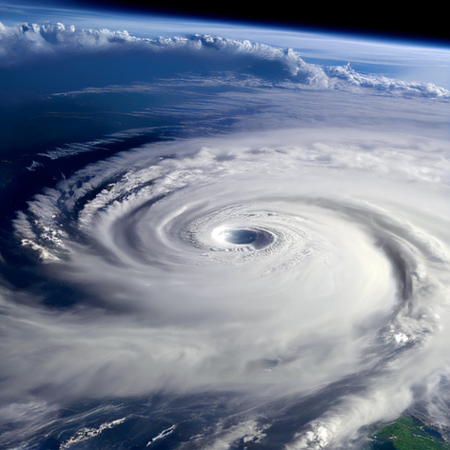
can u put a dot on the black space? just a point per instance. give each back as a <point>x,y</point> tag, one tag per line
<point>394,20</point>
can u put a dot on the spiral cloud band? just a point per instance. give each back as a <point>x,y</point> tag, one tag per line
<point>280,259</point>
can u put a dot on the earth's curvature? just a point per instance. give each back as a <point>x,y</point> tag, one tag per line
<point>220,237</point>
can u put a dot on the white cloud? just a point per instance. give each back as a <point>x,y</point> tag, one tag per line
<point>344,76</point>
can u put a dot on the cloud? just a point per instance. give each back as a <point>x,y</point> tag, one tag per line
<point>88,433</point>
<point>344,76</point>
<point>249,62</point>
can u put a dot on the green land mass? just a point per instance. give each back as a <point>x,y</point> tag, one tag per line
<point>408,433</point>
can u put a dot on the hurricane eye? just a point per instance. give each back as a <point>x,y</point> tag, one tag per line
<point>240,237</point>
<point>252,238</point>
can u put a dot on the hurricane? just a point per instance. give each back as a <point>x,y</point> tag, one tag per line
<point>259,257</point>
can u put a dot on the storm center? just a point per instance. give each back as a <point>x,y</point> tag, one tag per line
<point>240,237</point>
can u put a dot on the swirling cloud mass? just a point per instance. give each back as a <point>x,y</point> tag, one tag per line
<point>280,256</point>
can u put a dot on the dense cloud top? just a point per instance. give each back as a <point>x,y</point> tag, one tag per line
<point>312,232</point>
